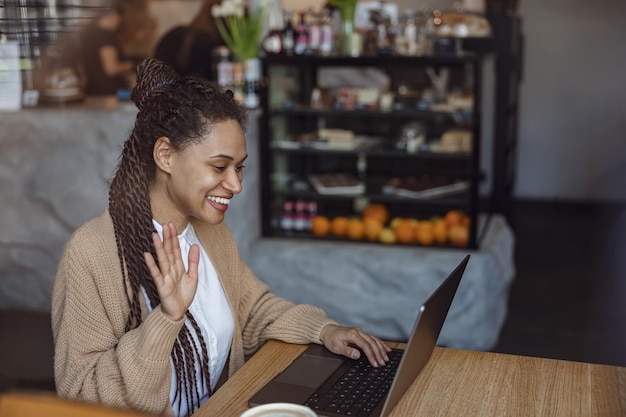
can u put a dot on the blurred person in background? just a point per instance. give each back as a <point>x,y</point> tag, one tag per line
<point>107,67</point>
<point>138,30</point>
<point>188,48</point>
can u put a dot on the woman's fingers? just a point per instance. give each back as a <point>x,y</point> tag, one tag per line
<point>175,284</point>
<point>170,268</point>
<point>168,242</point>
<point>349,341</point>
<point>194,261</point>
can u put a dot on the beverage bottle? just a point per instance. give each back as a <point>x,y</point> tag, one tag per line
<point>315,33</point>
<point>288,216</point>
<point>300,222</point>
<point>311,213</point>
<point>302,36</point>
<point>272,43</point>
<point>238,82</point>
<point>224,69</point>
<point>288,35</point>
<point>410,33</point>
<point>326,34</point>
<point>252,71</point>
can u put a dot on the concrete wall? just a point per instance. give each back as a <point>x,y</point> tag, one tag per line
<point>572,142</point>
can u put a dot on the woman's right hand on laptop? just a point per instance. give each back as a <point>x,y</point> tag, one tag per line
<point>342,341</point>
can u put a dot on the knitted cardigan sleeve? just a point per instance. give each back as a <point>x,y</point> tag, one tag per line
<point>95,360</point>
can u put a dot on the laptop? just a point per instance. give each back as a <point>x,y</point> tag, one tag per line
<point>333,385</point>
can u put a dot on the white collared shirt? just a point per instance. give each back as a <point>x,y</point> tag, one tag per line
<point>212,313</point>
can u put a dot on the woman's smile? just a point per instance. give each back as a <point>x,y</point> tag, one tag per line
<point>219,203</point>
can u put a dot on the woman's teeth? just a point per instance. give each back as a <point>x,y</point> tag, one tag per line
<point>219,200</point>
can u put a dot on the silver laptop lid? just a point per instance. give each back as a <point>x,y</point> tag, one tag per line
<point>424,336</point>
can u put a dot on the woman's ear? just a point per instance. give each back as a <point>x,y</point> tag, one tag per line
<point>162,153</point>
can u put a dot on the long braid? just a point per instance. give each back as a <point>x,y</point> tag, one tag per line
<point>129,194</point>
<point>206,378</point>
<point>178,362</point>
<point>182,109</point>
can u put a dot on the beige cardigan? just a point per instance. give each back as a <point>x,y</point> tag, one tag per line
<point>96,361</point>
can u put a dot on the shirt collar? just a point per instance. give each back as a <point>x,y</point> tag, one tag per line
<point>187,232</point>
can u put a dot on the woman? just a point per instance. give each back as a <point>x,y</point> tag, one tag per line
<point>189,48</point>
<point>106,69</point>
<point>151,301</point>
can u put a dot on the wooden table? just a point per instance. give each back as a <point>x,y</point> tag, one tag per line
<point>47,404</point>
<point>462,383</point>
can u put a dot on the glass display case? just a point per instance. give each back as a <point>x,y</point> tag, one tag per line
<point>342,137</point>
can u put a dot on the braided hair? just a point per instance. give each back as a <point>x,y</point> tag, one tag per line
<point>183,109</point>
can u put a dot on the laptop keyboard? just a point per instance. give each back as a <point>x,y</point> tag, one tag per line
<point>358,390</point>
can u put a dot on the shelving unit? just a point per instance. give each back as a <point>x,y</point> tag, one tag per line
<point>287,166</point>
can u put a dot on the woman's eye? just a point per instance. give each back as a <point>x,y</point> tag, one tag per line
<point>241,167</point>
<point>219,168</point>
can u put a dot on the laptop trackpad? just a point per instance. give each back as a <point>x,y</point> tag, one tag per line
<point>309,371</point>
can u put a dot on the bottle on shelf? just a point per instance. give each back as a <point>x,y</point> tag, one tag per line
<point>252,70</point>
<point>311,213</point>
<point>287,220</point>
<point>224,68</point>
<point>406,34</point>
<point>288,35</point>
<point>315,33</point>
<point>272,43</point>
<point>302,35</point>
<point>300,221</point>
<point>409,33</point>
<point>326,34</point>
<point>238,82</point>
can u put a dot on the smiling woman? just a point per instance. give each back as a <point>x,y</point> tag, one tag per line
<point>206,173</point>
<point>153,294</point>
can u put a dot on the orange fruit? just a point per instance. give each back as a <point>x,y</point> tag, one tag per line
<point>466,220</point>
<point>458,235</point>
<point>373,227</point>
<point>377,211</point>
<point>453,217</point>
<point>339,226</point>
<point>394,222</point>
<point>320,226</point>
<point>424,233</point>
<point>405,231</point>
<point>440,230</point>
<point>356,229</point>
<point>387,235</point>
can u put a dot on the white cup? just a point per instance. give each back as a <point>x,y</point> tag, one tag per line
<point>279,410</point>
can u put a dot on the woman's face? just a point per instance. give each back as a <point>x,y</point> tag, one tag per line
<point>204,176</point>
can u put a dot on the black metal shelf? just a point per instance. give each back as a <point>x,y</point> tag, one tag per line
<point>376,153</point>
<point>382,160</point>
<point>381,61</point>
<point>391,114</point>
<point>447,202</point>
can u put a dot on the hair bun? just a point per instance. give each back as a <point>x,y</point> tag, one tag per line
<point>152,74</point>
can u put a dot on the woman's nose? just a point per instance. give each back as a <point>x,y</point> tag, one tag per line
<point>233,182</point>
